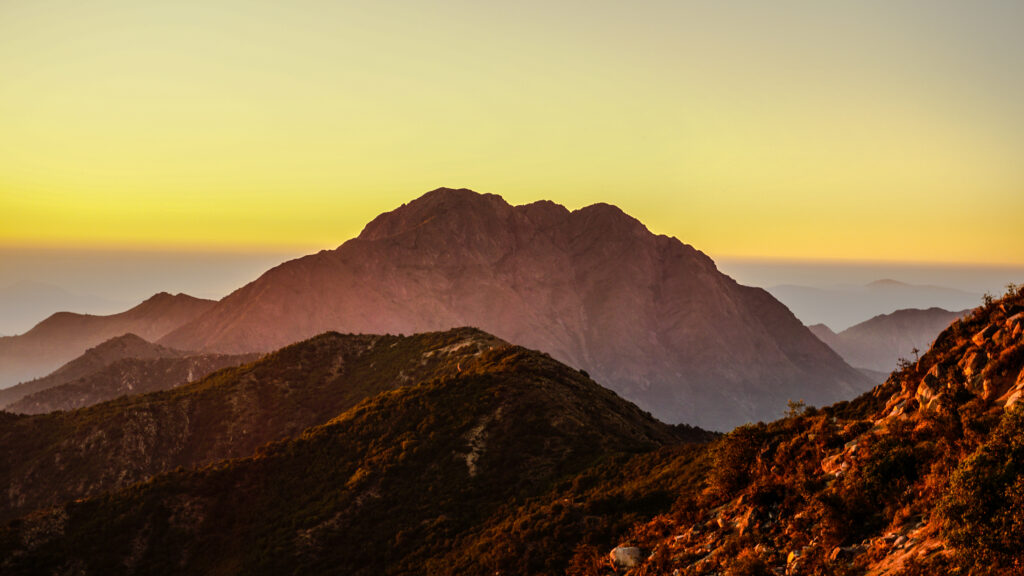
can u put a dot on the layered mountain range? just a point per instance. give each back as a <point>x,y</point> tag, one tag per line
<point>64,336</point>
<point>879,343</point>
<point>646,315</point>
<point>457,453</point>
<point>401,444</point>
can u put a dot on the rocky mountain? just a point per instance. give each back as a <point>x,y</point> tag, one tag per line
<point>126,377</point>
<point>646,315</point>
<point>66,335</point>
<point>922,475</point>
<point>433,438</point>
<point>879,343</point>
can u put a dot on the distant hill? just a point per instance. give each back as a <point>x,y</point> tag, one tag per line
<point>93,360</point>
<point>840,307</point>
<point>65,335</point>
<point>126,377</point>
<point>646,315</point>
<point>878,344</point>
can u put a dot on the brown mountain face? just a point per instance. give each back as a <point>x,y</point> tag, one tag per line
<point>646,315</point>
<point>878,344</point>
<point>66,335</point>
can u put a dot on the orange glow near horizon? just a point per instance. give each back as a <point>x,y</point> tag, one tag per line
<point>792,131</point>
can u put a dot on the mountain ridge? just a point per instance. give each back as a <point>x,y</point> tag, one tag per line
<point>647,315</point>
<point>66,335</point>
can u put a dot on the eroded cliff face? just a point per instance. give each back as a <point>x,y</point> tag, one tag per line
<point>920,476</point>
<point>648,316</point>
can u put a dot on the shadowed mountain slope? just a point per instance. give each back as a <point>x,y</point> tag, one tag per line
<point>878,344</point>
<point>646,315</point>
<point>65,335</point>
<point>64,455</point>
<point>385,486</point>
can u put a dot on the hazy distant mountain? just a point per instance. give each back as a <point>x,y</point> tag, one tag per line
<point>878,344</point>
<point>92,361</point>
<point>123,377</point>
<point>646,315</point>
<point>840,307</point>
<point>23,304</point>
<point>65,335</point>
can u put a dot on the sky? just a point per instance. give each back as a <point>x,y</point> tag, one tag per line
<point>792,130</point>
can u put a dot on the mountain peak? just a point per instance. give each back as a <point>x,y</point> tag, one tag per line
<point>645,314</point>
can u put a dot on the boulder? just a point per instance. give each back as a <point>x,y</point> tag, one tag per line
<point>626,556</point>
<point>984,334</point>
<point>973,363</point>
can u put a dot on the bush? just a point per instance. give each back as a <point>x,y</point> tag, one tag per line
<point>983,512</point>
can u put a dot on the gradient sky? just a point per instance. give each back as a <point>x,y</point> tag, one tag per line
<point>884,131</point>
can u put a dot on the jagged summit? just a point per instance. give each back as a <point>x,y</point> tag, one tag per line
<point>646,315</point>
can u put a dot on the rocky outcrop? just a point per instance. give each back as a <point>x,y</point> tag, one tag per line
<point>919,476</point>
<point>646,315</point>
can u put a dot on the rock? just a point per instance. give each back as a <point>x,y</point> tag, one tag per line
<point>747,522</point>
<point>984,334</point>
<point>927,390</point>
<point>1015,320</point>
<point>1014,398</point>
<point>973,363</point>
<point>626,556</point>
<point>834,464</point>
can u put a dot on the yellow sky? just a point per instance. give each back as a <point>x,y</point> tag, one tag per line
<point>870,130</point>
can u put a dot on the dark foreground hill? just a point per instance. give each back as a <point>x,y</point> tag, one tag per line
<point>648,316</point>
<point>60,456</point>
<point>458,434</point>
<point>879,343</point>
<point>64,336</point>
